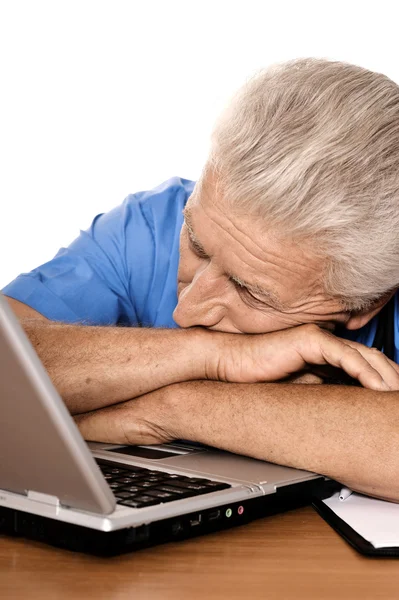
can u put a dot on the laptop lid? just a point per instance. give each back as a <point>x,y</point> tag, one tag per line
<point>41,449</point>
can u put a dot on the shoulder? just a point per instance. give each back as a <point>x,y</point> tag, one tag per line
<point>164,200</point>
<point>151,223</point>
<point>152,234</point>
<point>142,213</point>
<point>117,270</point>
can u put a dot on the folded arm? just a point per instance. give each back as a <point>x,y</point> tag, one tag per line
<point>349,434</point>
<point>93,367</point>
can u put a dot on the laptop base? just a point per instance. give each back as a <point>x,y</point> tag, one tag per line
<point>110,543</point>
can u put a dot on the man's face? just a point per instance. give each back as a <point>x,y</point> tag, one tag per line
<point>235,276</point>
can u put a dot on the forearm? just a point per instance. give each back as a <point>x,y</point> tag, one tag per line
<point>93,367</point>
<point>348,434</point>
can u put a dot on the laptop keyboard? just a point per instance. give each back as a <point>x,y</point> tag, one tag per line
<point>138,487</point>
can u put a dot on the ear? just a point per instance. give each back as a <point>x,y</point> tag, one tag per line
<point>360,318</point>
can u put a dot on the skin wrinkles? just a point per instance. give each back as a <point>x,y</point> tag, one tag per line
<point>213,211</point>
<point>254,288</point>
<point>307,263</point>
<point>260,254</point>
<point>271,256</point>
<point>218,255</point>
<point>238,253</point>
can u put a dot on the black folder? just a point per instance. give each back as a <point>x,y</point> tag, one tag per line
<point>350,535</point>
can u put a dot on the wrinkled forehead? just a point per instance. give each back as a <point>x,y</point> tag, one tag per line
<point>208,196</point>
<point>249,250</point>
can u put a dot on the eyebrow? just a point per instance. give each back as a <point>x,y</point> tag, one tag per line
<point>271,298</point>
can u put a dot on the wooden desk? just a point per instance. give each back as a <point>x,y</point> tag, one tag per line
<point>293,555</point>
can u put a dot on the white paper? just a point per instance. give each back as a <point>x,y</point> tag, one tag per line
<point>376,521</point>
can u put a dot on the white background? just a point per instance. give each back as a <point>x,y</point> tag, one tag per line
<point>100,99</point>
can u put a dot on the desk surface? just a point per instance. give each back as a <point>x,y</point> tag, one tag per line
<point>293,555</point>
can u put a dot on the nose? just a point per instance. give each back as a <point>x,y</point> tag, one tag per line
<point>201,302</point>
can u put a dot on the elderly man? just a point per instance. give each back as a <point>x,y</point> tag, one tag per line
<point>236,283</point>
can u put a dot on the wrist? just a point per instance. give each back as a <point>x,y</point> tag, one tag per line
<point>217,346</point>
<point>177,409</point>
<point>201,353</point>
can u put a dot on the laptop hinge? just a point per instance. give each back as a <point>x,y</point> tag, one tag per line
<point>43,498</point>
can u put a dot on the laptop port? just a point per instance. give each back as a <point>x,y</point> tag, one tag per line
<point>177,528</point>
<point>195,521</point>
<point>214,515</point>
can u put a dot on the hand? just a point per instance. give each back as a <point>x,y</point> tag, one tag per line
<point>278,355</point>
<point>144,420</point>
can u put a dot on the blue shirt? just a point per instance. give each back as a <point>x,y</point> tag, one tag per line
<point>123,269</point>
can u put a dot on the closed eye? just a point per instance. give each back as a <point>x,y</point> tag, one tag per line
<point>196,248</point>
<point>199,251</point>
<point>244,291</point>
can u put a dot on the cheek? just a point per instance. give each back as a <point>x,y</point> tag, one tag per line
<point>251,320</point>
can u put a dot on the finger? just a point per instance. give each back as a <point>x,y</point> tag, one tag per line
<point>331,374</point>
<point>358,345</point>
<point>324,348</point>
<point>356,365</point>
<point>386,368</point>
<point>364,350</point>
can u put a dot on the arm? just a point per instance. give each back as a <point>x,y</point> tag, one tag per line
<point>93,366</point>
<point>349,434</point>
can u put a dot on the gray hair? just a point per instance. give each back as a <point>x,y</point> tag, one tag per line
<point>312,147</point>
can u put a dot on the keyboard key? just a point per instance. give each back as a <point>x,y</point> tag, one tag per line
<point>134,469</point>
<point>197,480</point>
<point>132,489</point>
<point>145,499</point>
<point>108,471</point>
<point>132,503</point>
<point>127,479</point>
<point>160,494</point>
<point>217,485</point>
<point>114,485</point>
<point>172,490</point>
<point>186,485</point>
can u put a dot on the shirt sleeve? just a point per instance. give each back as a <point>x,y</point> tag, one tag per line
<point>90,282</point>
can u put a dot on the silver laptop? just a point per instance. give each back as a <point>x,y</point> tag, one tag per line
<point>106,499</point>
